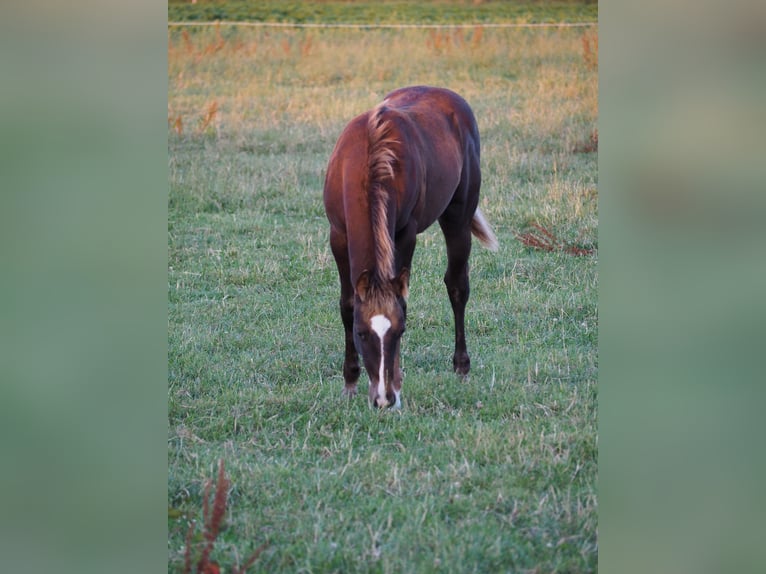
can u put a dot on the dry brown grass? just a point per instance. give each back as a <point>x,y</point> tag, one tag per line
<point>212,526</point>
<point>263,78</point>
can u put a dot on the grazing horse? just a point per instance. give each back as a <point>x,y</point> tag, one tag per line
<point>410,161</point>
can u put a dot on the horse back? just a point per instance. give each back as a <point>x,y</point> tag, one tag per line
<point>441,149</point>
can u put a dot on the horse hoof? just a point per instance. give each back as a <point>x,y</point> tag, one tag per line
<point>461,366</point>
<point>349,392</point>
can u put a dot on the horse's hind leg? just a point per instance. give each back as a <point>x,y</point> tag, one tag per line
<point>458,239</point>
<point>351,368</point>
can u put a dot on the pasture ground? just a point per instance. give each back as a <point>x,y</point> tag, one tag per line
<point>493,473</point>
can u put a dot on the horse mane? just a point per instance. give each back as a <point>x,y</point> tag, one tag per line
<point>380,164</point>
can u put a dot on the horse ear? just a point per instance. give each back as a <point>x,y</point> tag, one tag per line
<point>362,285</point>
<point>403,283</point>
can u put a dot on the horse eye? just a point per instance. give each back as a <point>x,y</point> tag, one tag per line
<point>363,335</point>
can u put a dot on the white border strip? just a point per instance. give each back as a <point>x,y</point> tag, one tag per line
<point>371,26</point>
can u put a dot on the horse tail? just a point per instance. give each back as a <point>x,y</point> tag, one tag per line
<point>483,232</point>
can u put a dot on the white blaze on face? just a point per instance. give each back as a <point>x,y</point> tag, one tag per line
<point>380,324</point>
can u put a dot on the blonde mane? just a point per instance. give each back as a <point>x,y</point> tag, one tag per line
<point>380,163</point>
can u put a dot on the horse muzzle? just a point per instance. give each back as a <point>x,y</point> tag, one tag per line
<point>392,401</point>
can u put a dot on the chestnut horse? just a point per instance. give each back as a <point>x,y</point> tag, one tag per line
<point>412,160</point>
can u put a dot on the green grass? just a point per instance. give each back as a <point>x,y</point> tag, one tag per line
<point>385,12</point>
<point>496,473</point>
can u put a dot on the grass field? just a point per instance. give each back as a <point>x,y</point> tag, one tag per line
<point>496,473</point>
<point>385,11</point>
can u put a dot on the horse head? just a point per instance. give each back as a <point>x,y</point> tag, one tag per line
<point>380,312</point>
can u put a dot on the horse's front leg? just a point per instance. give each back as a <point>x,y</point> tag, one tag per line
<point>339,246</point>
<point>405,248</point>
<point>351,368</point>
